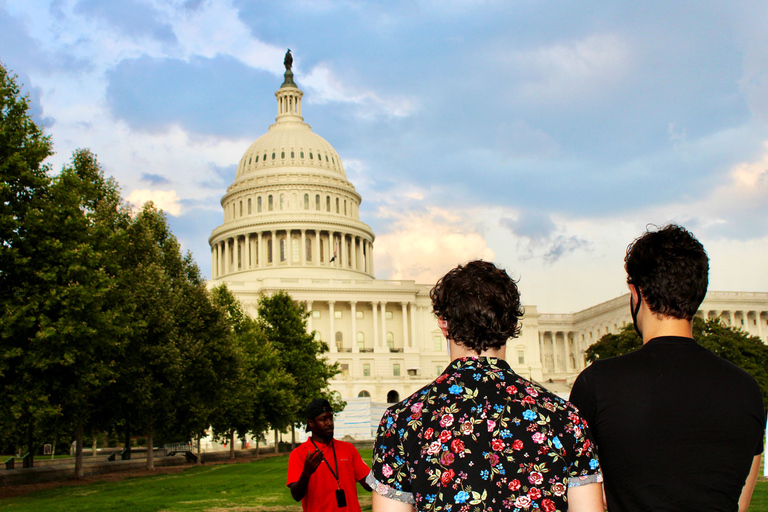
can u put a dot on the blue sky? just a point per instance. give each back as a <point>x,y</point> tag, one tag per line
<point>543,135</point>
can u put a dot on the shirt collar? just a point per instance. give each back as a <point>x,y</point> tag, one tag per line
<point>479,363</point>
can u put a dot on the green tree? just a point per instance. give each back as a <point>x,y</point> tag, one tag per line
<point>285,324</point>
<point>746,351</point>
<point>24,186</point>
<point>81,317</point>
<point>258,395</point>
<point>612,345</point>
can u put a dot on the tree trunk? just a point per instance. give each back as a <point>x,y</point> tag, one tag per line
<point>150,448</point>
<point>232,444</point>
<point>293,436</point>
<point>79,470</point>
<point>257,446</point>
<point>277,441</point>
<point>95,447</point>
<point>199,455</point>
<point>31,444</point>
<point>127,447</point>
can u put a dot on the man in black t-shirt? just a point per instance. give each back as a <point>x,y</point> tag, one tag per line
<point>677,427</point>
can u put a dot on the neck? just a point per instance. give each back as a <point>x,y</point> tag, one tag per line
<point>318,439</point>
<point>458,351</point>
<point>666,326</point>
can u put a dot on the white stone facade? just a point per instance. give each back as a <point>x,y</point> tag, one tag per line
<point>291,222</point>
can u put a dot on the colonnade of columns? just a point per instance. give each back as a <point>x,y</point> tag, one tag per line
<point>291,247</point>
<point>374,330</point>
<point>563,349</point>
<point>750,321</point>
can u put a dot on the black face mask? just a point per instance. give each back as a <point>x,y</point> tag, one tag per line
<point>635,310</point>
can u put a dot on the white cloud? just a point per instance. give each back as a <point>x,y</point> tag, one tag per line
<point>166,200</point>
<point>326,88</point>
<point>424,246</point>
<point>576,69</point>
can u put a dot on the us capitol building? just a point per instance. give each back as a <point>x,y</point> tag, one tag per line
<point>292,223</point>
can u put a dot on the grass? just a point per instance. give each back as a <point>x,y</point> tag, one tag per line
<point>246,487</point>
<point>255,486</point>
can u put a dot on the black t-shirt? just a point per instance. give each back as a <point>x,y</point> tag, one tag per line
<point>676,426</point>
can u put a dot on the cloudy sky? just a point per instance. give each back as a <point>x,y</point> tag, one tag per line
<point>543,135</point>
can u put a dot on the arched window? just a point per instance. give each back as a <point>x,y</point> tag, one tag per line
<point>337,205</point>
<point>306,201</point>
<point>308,249</point>
<point>360,341</point>
<point>282,249</point>
<point>241,208</point>
<point>328,203</point>
<point>339,341</point>
<point>391,341</point>
<point>282,201</point>
<point>364,394</point>
<point>258,204</point>
<point>393,397</point>
<point>345,207</point>
<point>295,250</point>
<point>269,251</point>
<point>317,202</point>
<point>270,203</point>
<point>249,206</point>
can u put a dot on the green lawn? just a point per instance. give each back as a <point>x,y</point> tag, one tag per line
<point>255,486</point>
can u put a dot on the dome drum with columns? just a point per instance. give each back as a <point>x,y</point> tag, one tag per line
<point>291,222</point>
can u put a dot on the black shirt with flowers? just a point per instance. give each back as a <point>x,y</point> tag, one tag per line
<point>482,438</point>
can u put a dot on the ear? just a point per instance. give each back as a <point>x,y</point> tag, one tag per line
<point>443,326</point>
<point>634,290</point>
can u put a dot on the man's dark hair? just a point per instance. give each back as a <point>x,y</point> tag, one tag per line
<point>480,303</point>
<point>671,269</point>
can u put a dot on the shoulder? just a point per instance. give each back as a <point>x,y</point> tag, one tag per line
<point>300,452</point>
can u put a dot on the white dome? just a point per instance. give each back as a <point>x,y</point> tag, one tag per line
<point>290,144</point>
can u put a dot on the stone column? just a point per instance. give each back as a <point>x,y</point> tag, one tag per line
<point>289,248</point>
<point>759,318</point>
<point>332,318</point>
<point>303,247</point>
<point>414,314</point>
<point>274,243</point>
<point>259,252</point>
<point>343,250</point>
<point>406,340</point>
<point>216,260</point>
<point>383,323</point>
<point>375,313</point>
<point>247,251</point>
<point>370,256</point>
<point>353,308</point>
<point>226,256</point>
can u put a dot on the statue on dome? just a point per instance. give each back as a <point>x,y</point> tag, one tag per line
<point>288,61</point>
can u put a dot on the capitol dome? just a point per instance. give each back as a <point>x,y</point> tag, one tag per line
<point>290,209</point>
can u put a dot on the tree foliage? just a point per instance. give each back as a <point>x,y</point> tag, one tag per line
<point>257,396</point>
<point>285,324</point>
<point>746,351</point>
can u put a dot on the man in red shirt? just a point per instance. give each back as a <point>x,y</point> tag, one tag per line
<point>322,471</point>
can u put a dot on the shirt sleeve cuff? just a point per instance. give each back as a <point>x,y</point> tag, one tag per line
<point>387,491</point>
<point>576,481</point>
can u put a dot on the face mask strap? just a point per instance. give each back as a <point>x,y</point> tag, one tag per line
<point>636,310</point>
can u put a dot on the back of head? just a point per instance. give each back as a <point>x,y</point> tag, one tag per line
<point>480,304</point>
<point>671,269</point>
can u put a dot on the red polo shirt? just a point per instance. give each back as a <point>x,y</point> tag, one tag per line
<point>321,491</point>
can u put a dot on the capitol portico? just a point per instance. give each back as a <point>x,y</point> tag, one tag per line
<point>291,222</point>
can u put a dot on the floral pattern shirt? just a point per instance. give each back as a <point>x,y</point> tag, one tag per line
<point>481,438</point>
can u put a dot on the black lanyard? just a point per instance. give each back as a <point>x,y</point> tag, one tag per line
<point>333,447</point>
